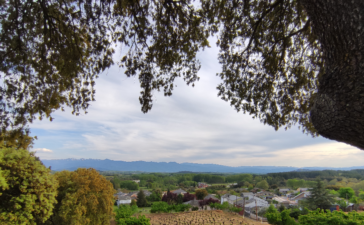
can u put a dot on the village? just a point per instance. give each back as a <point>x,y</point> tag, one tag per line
<point>253,203</point>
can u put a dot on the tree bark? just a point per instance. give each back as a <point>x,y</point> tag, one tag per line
<point>338,111</point>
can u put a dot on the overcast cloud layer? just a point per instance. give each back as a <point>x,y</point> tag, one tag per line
<point>193,125</point>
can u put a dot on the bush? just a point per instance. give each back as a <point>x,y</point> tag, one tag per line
<point>160,207</point>
<point>124,213</point>
<point>295,213</point>
<point>141,220</point>
<point>281,208</point>
<point>195,208</point>
<point>235,209</point>
<point>282,218</point>
<point>181,207</point>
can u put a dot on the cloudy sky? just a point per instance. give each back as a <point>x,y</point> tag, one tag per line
<point>193,125</point>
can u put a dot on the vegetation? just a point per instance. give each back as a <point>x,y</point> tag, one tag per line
<point>28,190</point>
<point>158,207</point>
<point>201,194</point>
<point>124,216</point>
<point>315,217</point>
<point>320,197</point>
<point>262,185</point>
<point>279,218</point>
<point>142,201</point>
<point>84,197</point>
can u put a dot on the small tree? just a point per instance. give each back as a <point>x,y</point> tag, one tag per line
<point>155,196</point>
<point>170,197</point>
<point>320,197</point>
<point>201,194</point>
<point>263,185</point>
<point>346,192</point>
<point>142,201</point>
<point>180,199</point>
<point>188,197</point>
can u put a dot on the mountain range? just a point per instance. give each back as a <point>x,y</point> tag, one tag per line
<point>172,167</point>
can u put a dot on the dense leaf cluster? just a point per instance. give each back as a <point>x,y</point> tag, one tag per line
<point>84,197</point>
<point>27,189</point>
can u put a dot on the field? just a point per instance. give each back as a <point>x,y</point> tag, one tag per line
<point>200,217</point>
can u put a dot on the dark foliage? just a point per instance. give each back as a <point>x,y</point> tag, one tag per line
<point>169,197</point>
<point>188,197</point>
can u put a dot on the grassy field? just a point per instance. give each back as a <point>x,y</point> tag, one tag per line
<point>200,217</point>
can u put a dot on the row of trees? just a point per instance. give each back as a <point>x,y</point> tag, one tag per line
<point>30,194</point>
<point>272,181</point>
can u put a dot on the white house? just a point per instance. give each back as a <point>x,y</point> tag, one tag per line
<point>257,202</point>
<point>247,195</point>
<point>123,200</point>
<point>231,199</point>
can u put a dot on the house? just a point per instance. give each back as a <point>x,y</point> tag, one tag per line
<point>231,199</point>
<point>284,201</point>
<point>284,190</point>
<point>121,200</point>
<point>302,189</point>
<point>256,202</point>
<point>193,203</point>
<point>133,194</point>
<point>137,181</point>
<point>179,191</point>
<point>210,196</point>
<point>147,193</point>
<point>119,194</point>
<point>247,195</point>
<point>202,185</point>
<point>301,196</point>
<point>264,194</point>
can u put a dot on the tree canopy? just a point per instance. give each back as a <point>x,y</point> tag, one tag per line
<point>84,197</point>
<point>29,194</point>
<point>278,57</point>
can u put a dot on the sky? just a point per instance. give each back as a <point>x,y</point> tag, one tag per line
<point>193,125</point>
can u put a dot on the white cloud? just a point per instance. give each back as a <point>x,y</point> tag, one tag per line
<point>42,150</point>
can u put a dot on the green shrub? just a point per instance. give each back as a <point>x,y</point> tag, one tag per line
<point>160,207</point>
<point>141,220</point>
<point>124,213</point>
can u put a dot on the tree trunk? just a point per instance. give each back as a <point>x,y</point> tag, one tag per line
<point>338,111</point>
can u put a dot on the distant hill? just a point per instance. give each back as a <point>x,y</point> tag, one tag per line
<point>171,167</point>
